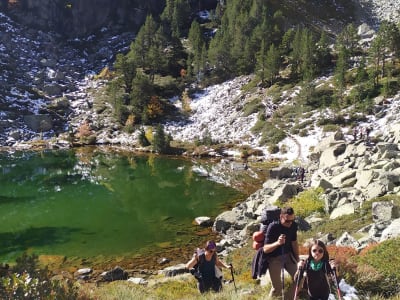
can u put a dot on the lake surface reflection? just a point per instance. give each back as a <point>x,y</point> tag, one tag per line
<point>86,203</point>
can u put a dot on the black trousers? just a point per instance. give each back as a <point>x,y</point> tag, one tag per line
<point>210,284</point>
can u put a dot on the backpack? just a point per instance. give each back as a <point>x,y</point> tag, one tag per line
<point>259,264</point>
<point>269,215</point>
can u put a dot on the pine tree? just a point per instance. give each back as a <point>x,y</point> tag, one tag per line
<point>161,141</point>
<point>197,42</point>
<point>307,55</point>
<point>340,74</point>
<point>323,56</point>
<point>143,141</point>
<point>180,18</point>
<point>261,63</point>
<point>348,39</point>
<point>295,55</point>
<point>376,51</point>
<point>126,67</point>
<point>144,46</point>
<point>142,90</point>
<point>272,63</point>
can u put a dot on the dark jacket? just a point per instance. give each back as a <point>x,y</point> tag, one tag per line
<point>259,264</point>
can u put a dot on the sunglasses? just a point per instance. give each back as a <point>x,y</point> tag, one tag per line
<point>317,250</point>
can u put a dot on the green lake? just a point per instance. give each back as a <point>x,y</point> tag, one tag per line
<point>87,203</point>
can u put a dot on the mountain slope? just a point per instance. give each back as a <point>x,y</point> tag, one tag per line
<point>44,91</point>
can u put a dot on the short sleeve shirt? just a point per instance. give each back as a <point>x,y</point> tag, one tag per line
<point>274,230</point>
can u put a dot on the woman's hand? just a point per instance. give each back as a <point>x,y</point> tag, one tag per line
<point>332,263</point>
<point>301,264</point>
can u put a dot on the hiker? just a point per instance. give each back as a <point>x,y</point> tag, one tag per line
<point>302,172</point>
<point>206,261</point>
<point>283,250</point>
<point>355,132</point>
<point>316,268</point>
<point>367,132</point>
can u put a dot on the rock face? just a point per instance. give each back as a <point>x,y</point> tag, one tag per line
<point>82,17</point>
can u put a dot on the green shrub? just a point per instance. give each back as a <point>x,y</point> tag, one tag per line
<point>307,202</point>
<point>26,280</point>
<point>378,269</point>
<point>252,107</point>
<point>330,128</point>
<point>303,133</point>
<point>272,134</point>
<point>294,130</point>
<point>273,148</point>
<point>259,126</point>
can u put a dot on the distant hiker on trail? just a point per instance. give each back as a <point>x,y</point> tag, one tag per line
<point>367,132</point>
<point>302,172</point>
<point>204,262</point>
<point>316,270</point>
<point>355,132</point>
<point>283,249</point>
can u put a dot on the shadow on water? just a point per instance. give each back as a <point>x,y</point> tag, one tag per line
<point>33,237</point>
<point>14,199</point>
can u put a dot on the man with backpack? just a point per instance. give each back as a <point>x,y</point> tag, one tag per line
<point>283,250</point>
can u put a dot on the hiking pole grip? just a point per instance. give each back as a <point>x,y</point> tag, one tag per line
<point>233,277</point>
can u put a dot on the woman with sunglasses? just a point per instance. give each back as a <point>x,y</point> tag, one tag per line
<point>316,270</point>
<point>205,261</point>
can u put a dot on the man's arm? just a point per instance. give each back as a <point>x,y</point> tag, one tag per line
<point>268,248</point>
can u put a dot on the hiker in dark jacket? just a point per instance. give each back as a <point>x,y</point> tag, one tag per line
<point>282,249</point>
<point>317,269</point>
<point>206,260</point>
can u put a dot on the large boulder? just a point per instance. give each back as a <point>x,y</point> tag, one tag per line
<point>281,173</point>
<point>39,123</point>
<point>225,221</point>
<point>346,209</point>
<point>285,192</point>
<point>384,211</point>
<point>331,156</point>
<point>392,231</point>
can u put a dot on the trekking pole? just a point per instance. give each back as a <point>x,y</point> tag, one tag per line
<point>233,278</point>
<point>336,283</point>
<point>283,273</point>
<point>299,277</point>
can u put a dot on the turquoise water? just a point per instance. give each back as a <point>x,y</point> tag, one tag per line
<point>89,203</point>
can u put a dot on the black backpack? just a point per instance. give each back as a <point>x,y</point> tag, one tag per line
<point>269,215</point>
<point>259,264</point>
